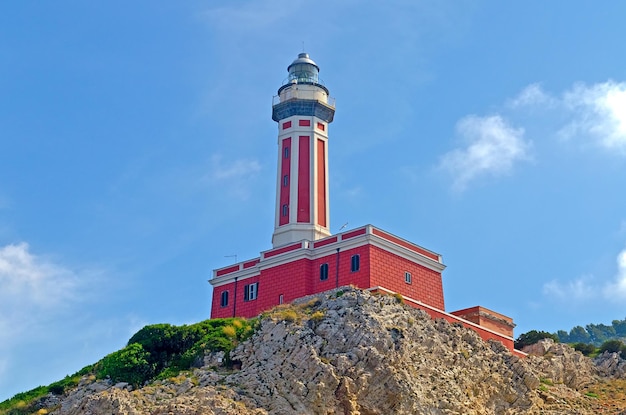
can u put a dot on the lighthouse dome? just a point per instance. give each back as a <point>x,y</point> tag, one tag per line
<point>304,70</point>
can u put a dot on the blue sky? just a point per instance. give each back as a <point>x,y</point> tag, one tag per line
<point>137,153</point>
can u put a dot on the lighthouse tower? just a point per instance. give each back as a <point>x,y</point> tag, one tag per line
<point>303,110</point>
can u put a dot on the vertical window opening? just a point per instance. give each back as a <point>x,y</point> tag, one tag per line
<point>355,263</point>
<point>407,277</point>
<point>324,272</point>
<point>224,300</point>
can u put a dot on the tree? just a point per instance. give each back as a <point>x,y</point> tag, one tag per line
<point>533,337</point>
<point>620,327</point>
<point>563,336</point>
<point>579,335</point>
<point>600,332</point>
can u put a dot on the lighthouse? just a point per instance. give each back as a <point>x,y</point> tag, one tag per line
<point>305,259</point>
<point>303,110</point>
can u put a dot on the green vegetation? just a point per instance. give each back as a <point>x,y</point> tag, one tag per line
<point>155,352</point>
<point>595,334</point>
<point>591,340</point>
<point>533,337</point>
<point>21,404</point>
<point>584,348</point>
<point>399,298</point>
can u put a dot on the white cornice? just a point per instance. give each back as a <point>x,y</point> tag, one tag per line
<point>310,253</point>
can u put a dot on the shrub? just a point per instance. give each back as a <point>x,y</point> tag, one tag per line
<point>131,364</point>
<point>56,389</point>
<point>611,346</point>
<point>533,337</point>
<point>584,348</point>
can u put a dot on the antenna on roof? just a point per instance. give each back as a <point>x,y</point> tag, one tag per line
<point>343,226</point>
<point>231,256</point>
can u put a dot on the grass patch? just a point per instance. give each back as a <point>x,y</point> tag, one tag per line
<point>546,381</point>
<point>317,316</point>
<point>399,298</point>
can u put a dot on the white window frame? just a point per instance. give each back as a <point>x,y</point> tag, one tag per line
<point>251,291</point>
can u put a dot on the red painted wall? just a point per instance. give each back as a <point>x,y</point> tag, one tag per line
<point>388,271</point>
<point>285,169</point>
<point>304,180</point>
<point>292,280</point>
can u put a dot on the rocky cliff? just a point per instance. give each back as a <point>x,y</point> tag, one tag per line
<point>350,352</point>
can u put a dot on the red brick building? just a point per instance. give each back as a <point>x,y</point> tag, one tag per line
<point>306,259</point>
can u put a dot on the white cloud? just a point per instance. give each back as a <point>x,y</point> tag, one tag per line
<point>579,289</point>
<point>598,111</point>
<point>532,96</point>
<point>233,178</point>
<point>238,169</point>
<point>616,290</point>
<point>45,307</point>
<point>590,113</point>
<point>251,16</point>
<point>24,273</point>
<point>33,288</point>
<point>593,114</point>
<point>493,147</point>
<point>585,288</point>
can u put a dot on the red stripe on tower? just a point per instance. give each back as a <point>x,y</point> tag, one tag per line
<point>285,171</point>
<point>304,180</point>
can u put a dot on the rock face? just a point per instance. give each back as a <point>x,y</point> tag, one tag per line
<point>561,364</point>
<point>611,365</point>
<point>350,352</point>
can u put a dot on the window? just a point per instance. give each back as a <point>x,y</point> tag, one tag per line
<point>224,301</point>
<point>250,291</point>
<point>285,180</point>
<point>304,123</point>
<point>286,125</point>
<point>324,272</point>
<point>285,211</point>
<point>286,152</point>
<point>281,299</point>
<point>354,263</point>
<point>407,277</point>
<point>321,126</point>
